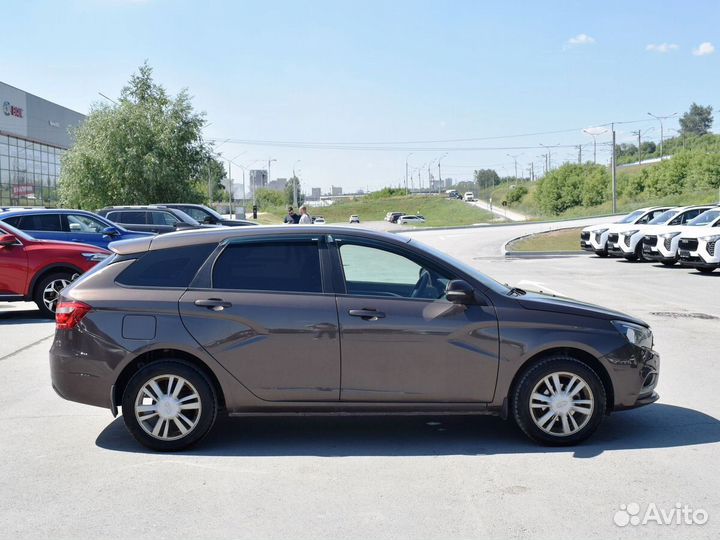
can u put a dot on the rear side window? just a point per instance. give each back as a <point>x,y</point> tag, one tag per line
<point>39,222</point>
<point>136,218</point>
<point>272,266</point>
<point>173,267</point>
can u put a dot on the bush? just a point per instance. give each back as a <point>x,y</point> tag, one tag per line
<point>384,193</point>
<point>269,198</point>
<point>516,194</point>
<point>573,185</point>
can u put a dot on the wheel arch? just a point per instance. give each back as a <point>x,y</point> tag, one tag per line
<point>39,276</point>
<point>579,354</point>
<point>155,355</point>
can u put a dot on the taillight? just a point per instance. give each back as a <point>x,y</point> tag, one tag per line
<point>69,314</point>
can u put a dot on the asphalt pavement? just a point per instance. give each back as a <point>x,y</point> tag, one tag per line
<point>72,471</point>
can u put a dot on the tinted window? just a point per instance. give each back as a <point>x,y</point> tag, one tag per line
<point>661,219</point>
<point>14,221</point>
<point>196,213</point>
<point>174,267</point>
<point>703,219</point>
<point>137,218</point>
<point>274,266</point>
<point>40,222</point>
<point>163,218</point>
<point>374,271</point>
<point>630,218</point>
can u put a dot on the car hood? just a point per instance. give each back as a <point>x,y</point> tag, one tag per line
<point>70,246</point>
<point>558,304</point>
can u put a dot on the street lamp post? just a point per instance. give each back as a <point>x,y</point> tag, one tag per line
<point>594,134</point>
<point>439,169</point>
<point>294,186</point>
<point>269,161</point>
<point>660,119</point>
<point>406,169</point>
<point>515,161</point>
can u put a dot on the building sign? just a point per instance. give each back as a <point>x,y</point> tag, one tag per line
<point>23,190</point>
<point>13,119</point>
<point>11,110</point>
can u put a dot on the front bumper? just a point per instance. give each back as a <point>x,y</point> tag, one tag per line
<point>585,245</point>
<point>634,373</point>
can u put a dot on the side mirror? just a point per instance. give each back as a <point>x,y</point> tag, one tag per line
<point>111,231</point>
<point>459,292</point>
<point>8,240</point>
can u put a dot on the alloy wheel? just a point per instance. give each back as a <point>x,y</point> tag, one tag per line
<point>51,292</point>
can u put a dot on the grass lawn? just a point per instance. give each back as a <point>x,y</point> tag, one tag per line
<point>439,211</point>
<point>562,240</point>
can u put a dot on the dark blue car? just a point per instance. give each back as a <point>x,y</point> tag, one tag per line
<point>68,225</point>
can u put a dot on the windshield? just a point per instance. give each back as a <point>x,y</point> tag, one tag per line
<point>630,218</point>
<point>187,219</point>
<point>664,217</point>
<point>705,218</point>
<point>489,282</point>
<point>9,229</point>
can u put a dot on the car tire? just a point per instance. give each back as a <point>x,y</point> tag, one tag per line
<point>47,291</point>
<point>567,420</point>
<point>601,254</point>
<point>705,269</point>
<point>668,263</point>
<point>169,405</point>
<point>639,256</point>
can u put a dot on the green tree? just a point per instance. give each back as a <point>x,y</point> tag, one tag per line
<point>573,185</point>
<point>485,178</point>
<point>211,179</point>
<point>269,198</point>
<point>289,191</point>
<point>697,121</point>
<point>147,148</point>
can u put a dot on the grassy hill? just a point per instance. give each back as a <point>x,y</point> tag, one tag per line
<point>439,211</point>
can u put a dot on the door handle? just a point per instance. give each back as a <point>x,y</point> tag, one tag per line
<point>216,304</point>
<point>367,314</point>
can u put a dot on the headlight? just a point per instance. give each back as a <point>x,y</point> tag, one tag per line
<point>635,334</point>
<point>713,238</point>
<point>630,233</point>
<point>96,257</point>
<point>668,235</point>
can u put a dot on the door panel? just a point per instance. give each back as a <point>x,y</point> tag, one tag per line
<point>418,351</point>
<point>13,269</point>
<point>281,346</point>
<point>401,339</point>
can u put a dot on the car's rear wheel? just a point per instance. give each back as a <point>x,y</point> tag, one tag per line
<point>169,405</point>
<point>47,291</point>
<point>559,401</point>
<point>706,269</point>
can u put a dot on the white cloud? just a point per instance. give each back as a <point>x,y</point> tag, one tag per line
<point>704,49</point>
<point>580,39</point>
<point>661,47</point>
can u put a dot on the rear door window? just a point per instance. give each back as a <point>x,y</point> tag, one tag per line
<point>163,218</point>
<point>40,222</point>
<point>288,266</point>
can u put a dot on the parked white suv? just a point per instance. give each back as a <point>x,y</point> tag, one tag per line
<point>629,242</point>
<point>595,237</point>
<point>469,196</point>
<point>699,248</point>
<point>663,246</point>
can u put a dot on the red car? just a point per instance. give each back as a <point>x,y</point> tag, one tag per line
<point>38,270</point>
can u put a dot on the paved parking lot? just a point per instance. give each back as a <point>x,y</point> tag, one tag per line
<point>71,471</point>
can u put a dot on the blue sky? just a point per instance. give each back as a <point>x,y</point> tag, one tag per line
<point>379,72</point>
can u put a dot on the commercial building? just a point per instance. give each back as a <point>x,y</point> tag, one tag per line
<point>336,190</point>
<point>316,193</point>
<point>258,179</point>
<point>279,184</point>
<point>34,134</point>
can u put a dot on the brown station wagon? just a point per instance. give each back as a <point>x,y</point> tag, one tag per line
<point>179,328</point>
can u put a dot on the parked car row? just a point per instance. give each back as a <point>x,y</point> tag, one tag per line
<point>404,219</point>
<point>42,250</point>
<point>686,235</point>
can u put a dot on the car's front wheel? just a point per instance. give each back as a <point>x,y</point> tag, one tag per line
<point>706,269</point>
<point>169,405</point>
<point>559,401</point>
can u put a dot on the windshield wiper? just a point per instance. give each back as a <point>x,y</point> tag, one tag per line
<point>516,291</point>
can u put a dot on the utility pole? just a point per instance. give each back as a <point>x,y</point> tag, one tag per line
<point>406,169</point>
<point>638,133</point>
<point>579,147</point>
<point>515,161</point>
<point>614,172</point>
<point>439,170</point>
<point>294,185</point>
<point>230,185</point>
<point>660,119</point>
<point>270,160</point>
<point>532,171</point>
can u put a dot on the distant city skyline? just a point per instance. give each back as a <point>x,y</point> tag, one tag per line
<point>353,91</point>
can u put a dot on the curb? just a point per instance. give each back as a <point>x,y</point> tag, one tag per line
<point>537,254</point>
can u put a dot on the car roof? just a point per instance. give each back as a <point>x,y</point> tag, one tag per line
<point>215,235</point>
<point>22,211</point>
